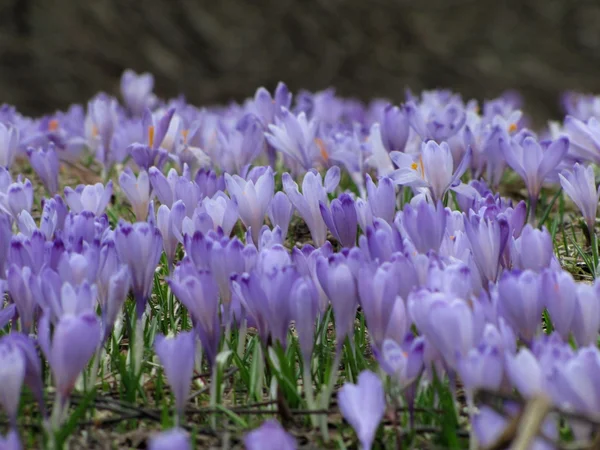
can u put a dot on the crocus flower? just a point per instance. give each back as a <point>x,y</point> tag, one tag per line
<point>340,218</point>
<point>339,283</point>
<point>199,293</point>
<point>481,367</point>
<point>304,300</point>
<point>363,406</point>
<point>438,123</point>
<point>520,302</point>
<point>216,213</point>
<point>534,163</point>
<point>379,158</point>
<point>394,128</point>
<point>101,123</point>
<point>314,191</point>
<point>113,297</point>
<point>382,198</point>
<point>45,163</point>
<point>294,136</point>
<point>24,287</point>
<point>137,91</point>
<point>173,439</point>
<point>488,238</point>
<point>280,212</point>
<point>92,198</point>
<point>580,186</point>
<point>525,373</point>
<point>5,236</point>
<point>433,170</point>
<point>177,357</point>
<point>169,222</point>
<point>66,359</point>
<point>137,191</point>
<point>15,197</point>
<point>425,224</point>
<point>9,141</point>
<point>559,291</point>
<point>270,436</point>
<point>533,250</point>
<point>12,374</point>
<point>253,199</point>
<point>139,246</point>
<point>586,318</point>
<point>268,107</point>
<point>584,138</point>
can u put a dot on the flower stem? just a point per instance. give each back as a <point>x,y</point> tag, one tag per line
<point>308,390</point>
<point>214,383</point>
<point>326,394</point>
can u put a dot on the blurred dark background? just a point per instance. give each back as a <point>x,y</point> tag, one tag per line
<point>55,52</point>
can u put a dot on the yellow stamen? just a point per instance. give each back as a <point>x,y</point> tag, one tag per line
<point>53,125</point>
<point>414,166</point>
<point>512,128</point>
<point>322,149</point>
<point>151,135</point>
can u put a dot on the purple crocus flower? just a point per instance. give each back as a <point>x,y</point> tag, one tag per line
<point>67,360</point>
<point>199,293</point>
<point>559,291</point>
<point>5,237</point>
<point>520,302</point>
<point>270,436</point>
<point>92,198</point>
<point>100,125</point>
<point>481,367</point>
<point>340,218</point>
<point>24,287</point>
<point>533,250</point>
<point>177,357</point>
<point>15,197</point>
<point>280,212</point>
<point>45,163</point>
<point>12,374</point>
<point>586,318</point>
<point>488,238</point>
<point>240,146</point>
<point>438,123</point>
<point>137,191</point>
<point>173,439</point>
<point>28,252</point>
<point>139,246</point>
<point>9,142</point>
<point>382,198</point>
<point>337,279</point>
<point>433,170</point>
<point>525,373</point>
<point>137,91</point>
<point>295,137</point>
<point>534,163</point>
<point>169,222</point>
<point>580,186</point>
<point>394,128</point>
<point>304,300</point>
<point>113,297</point>
<point>314,191</point>
<point>584,138</point>
<point>253,199</point>
<point>363,406</point>
<point>268,107</point>
<point>425,224</point>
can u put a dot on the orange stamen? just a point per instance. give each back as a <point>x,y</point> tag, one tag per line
<point>95,131</point>
<point>185,133</point>
<point>151,135</point>
<point>53,125</point>
<point>512,128</point>
<point>322,149</point>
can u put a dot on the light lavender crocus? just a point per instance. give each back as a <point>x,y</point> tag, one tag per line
<point>481,368</point>
<point>137,191</point>
<point>100,125</point>
<point>67,360</point>
<point>532,250</point>
<point>92,197</point>
<point>488,238</point>
<point>280,212</point>
<point>137,91</point>
<point>363,406</point>
<point>394,128</point>
<point>580,185</point>
<point>9,142</point>
<point>15,197</point>
<point>586,318</point>
<point>382,198</point>
<point>520,302</point>
<point>270,436</point>
<point>534,162</point>
<point>45,163</point>
<point>433,170</point>
<point>559,291</point>
<point>24,288</point>
<point>584,138</point>
<point>170,221</point>
<point>340,217</point>
<point>199,293</point>
<point>113,296</point>
<point>314,191</point>
<point>177,358</point>
<point>253,199</point>
<point>173,439</point>
<point>526,373</point>
<point>12,374</point>
<point>425,224</point>
<point>139,246</point>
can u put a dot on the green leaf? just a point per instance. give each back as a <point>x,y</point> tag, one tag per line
<point>76,417</point>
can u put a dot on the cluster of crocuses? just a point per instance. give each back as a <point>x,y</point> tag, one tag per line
<point>451,278</point>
